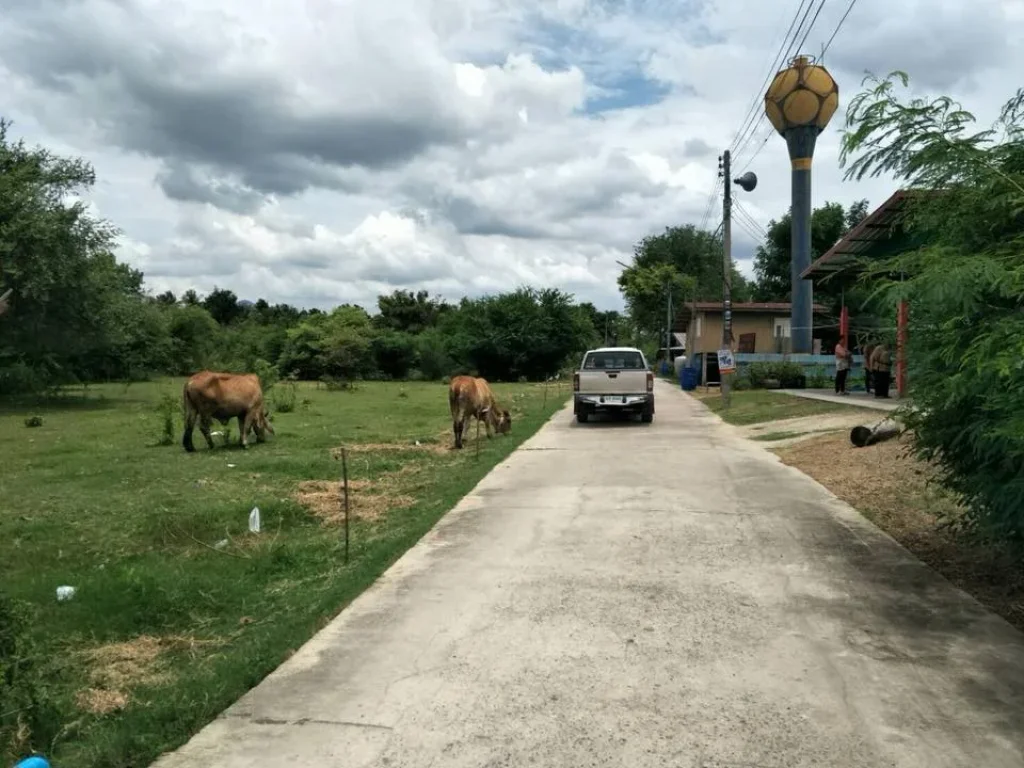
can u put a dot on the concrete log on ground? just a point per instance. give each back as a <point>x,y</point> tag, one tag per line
<point>862,435</point>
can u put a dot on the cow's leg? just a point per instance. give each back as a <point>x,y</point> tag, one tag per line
<point>457,429</point>
<point>204,427</point>
<point>245,422</point>
<point>190,425</point>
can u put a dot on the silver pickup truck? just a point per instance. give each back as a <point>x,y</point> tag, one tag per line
<point>613,380</point>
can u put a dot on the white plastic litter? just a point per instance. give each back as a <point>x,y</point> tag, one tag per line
<point>254,520</point>
<point>232,465</point>
<point>65,593</point>
<point>221,544</point>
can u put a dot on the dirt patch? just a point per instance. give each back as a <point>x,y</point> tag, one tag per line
<point>419,446</point>
<point>367,500</point>
<point>116,668</point>
<point>891,488</point>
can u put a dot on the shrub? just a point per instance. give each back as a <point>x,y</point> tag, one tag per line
<point>28,718</point>
<point>168,406</point>
<point>284,397</point>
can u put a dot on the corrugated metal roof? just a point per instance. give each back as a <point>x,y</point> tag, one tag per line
<point>878,226</point>
<point>767,306</point>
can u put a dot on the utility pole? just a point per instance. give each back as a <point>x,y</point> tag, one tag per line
<point>668,322</point>
<point>723,379</point>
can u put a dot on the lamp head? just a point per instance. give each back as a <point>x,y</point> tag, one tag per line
<point>747,181</point>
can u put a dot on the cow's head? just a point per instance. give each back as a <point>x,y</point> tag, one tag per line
<point>264,421</point>
<point>503,421</point>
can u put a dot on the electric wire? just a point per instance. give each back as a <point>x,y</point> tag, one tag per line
<point>751,111</point>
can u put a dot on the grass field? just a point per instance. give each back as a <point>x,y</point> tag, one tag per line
<point>756,406</point>
<point>178,608</point>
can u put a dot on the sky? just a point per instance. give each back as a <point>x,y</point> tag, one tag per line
<point>318,152</point>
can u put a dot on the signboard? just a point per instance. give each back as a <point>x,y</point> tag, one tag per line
<point>726,363</point>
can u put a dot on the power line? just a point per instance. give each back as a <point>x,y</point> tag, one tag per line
<point>838,27</point>
<point>789,49</point>
<point>771,70</point>
<point>813,21</point>
<point>745,214</point>
<point>764,143</point>
<point>746,228</point>
<point>710,206</point>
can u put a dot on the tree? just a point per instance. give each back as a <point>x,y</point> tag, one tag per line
<point>223,306</point>
<point>773,258</point>
<point>646,291</point>
<point>57,262</point>
<point>408,312</point>
<point>527,333</point>
<point>686,257</point>
<point>965,287</point>
<point>607,324</point>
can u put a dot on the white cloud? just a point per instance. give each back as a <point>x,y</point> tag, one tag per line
<point>329,151</point>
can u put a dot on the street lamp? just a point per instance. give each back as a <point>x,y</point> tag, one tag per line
<point>799,104</point>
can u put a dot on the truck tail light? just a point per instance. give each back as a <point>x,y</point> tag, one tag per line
<point>575,382</point>
<point>650,381</point>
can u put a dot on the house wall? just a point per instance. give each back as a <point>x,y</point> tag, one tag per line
<point>710,326</point>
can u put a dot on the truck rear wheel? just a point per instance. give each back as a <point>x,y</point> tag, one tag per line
<point>582,416</point>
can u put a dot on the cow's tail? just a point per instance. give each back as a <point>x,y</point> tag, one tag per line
<point>189,414</point>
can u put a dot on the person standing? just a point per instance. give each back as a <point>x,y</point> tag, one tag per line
<point>869,381</point>
<point>843,358</point>
<point>881,369</point>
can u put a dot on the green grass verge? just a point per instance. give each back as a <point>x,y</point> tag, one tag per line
<point>92,500</point>
<point>758,406</point>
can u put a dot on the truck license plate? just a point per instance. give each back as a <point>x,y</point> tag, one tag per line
<point>615,399</point>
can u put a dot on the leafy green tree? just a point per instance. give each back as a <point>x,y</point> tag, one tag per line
<point>335,344</point>
<point>773,258</point>
<point>56,259</point>
<point>687,258</point>
<point>409,312</point>
<point>646,291</point>
<point>526,333</point>
<point>965,287</point>
<point>395,353</point>
<point>606,324</point>
<point>195,339</point>
<point>223,306</point>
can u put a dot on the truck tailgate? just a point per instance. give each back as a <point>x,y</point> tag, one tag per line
<point>613,382</point>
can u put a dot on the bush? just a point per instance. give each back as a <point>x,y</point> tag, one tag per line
<point>28,718</point>
<point>787,375</point>
<point>168,407</point>
<point>394,353</point>
<point>818,378</point>
<point>434,360</point>
<point>284,397</point>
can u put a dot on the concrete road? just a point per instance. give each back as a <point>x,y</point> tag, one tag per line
<point>663,595</point>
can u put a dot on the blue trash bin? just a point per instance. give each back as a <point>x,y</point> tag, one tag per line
<point>688,378</point>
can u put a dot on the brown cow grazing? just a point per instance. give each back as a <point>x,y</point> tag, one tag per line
<point>224,396</point>
<point>469,396</point>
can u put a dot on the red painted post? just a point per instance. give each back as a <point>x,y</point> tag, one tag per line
<point>844,325</point>
<point>902,315</point>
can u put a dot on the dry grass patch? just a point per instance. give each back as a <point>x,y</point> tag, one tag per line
<point>367,500</point>
<point>424,447</point>
<point>117,668</point>
<point>891,488</point>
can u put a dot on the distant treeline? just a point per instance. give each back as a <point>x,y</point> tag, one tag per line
<point>76,314</point>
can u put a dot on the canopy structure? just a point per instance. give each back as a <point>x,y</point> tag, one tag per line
<point>878,236</point>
